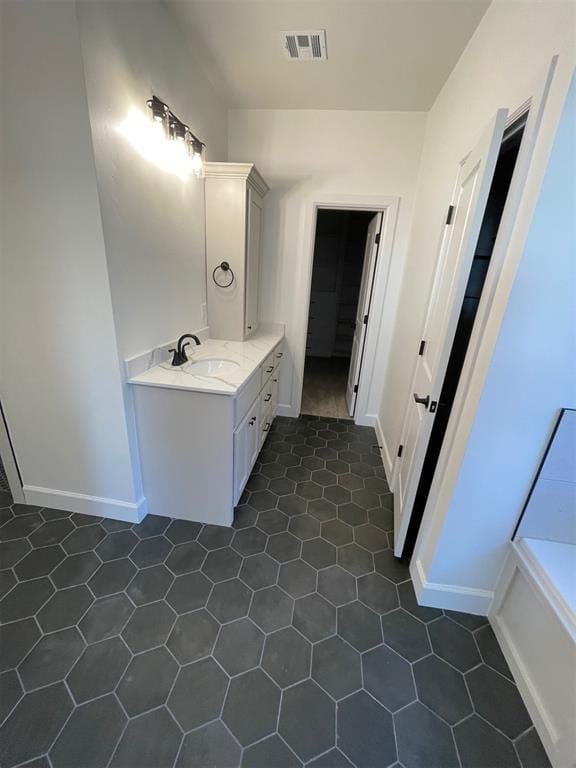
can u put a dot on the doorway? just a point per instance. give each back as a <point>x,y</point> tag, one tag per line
<point>344,260</point>
<point>495,203</point>
<point>10,479</point>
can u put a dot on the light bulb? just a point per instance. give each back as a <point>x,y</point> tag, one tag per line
<point>197,164</point>
<point>170,147</point>
<point>158,109</point>
<point>150,141</point>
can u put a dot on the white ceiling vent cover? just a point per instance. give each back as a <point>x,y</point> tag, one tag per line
<point>304,46</point>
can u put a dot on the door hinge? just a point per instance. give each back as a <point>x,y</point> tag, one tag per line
<point>400,449</point>
<point>450,214</point>
<point>377,238</point>
<point>422,347</point>
<point>355,387</point>
<point>365,319</point>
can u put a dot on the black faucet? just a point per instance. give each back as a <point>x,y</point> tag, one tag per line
<point>180,356</point>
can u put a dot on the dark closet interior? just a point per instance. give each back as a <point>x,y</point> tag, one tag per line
<point>339,246</point>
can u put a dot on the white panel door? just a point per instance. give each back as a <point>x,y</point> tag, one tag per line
<point>370,255</point>
<point>253,235</point>
<point>456,255</point>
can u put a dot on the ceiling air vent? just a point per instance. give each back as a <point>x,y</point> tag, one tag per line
<point>304,46</point>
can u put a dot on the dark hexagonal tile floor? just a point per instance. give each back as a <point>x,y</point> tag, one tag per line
<point>292,638</point>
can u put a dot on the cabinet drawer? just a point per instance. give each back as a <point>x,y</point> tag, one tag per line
<point>265,424</point>
<point>269,394</point>
<point>271,362</point>
<point>246,397</point>
<point>279,353</point>
<point>266,368</point>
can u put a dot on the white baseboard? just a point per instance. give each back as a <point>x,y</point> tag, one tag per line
<point>384,451</point>
<point>367,420</point>
<point>449,596</point>
<point>286,410</point>
<point>131,512</point>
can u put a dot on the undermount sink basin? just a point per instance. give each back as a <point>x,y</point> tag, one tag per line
<point>214,366</point>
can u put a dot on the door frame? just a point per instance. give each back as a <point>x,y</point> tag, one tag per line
<point>388,206</point>
<point>455,276</point>
<point>363,307</point>
<point>513,231</point>
<point>9,462</point>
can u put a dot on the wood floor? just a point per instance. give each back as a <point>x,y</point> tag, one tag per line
<point>324,391</point>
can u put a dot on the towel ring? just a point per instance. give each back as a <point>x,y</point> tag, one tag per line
<point>225,267</point>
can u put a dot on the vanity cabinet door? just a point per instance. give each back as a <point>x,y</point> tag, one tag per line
<point>253,442</point>
<point>275,388</point>
<point>253,235</point>
<point>246,446</point>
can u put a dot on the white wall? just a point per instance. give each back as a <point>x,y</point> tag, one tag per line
<point>512,45</point>
<point>153,222</point>
<point>102,253</point>
<point>309,157</point>
<point>550,513</point>
<point>532,376</point>
<point>60,378</point>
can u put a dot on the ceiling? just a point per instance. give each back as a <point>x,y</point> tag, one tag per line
<point>382,54</point>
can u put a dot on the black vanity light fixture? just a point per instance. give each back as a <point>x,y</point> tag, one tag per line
<point>175,130</point>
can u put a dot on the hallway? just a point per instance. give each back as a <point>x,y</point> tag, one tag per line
<point>324,390</point>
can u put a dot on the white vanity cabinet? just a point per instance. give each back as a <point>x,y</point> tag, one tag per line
<point>198,447</point>
<point>251,433</point>
<point>234,200</point>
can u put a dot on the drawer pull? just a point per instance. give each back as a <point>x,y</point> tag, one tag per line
<point>267,398</point>
<point>270,369</point>
<point>266,427</point>
<point>252,421</point>
<point>279,354</point>
<point>275,381</point>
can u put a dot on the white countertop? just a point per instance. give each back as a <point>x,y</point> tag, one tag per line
<point>248,354</point>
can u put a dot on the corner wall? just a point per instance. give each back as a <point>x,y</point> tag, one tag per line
<point>511,47</point>
<point>102,253</point>
<point>311,156</point>
<point>61,387</point>
<point>532,376</point>
<point>474,504</point>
